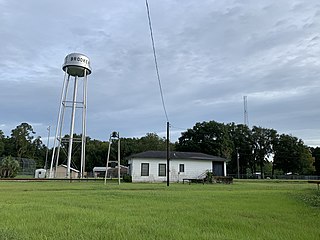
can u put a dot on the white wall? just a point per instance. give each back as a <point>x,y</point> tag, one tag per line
<point>192,169</point>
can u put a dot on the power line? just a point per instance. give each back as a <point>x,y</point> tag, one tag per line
<point>156,62</point>
<point>179,128</point>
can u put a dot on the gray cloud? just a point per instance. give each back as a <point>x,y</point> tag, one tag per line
<point>210,54</point>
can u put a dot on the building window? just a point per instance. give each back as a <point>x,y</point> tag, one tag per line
<point>144,169</point>
<point>162,170</point>
<point>181,168</point>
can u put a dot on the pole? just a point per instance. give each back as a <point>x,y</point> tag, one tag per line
<point>108,156</point>
<point>64,103</point>
<point>58,122</point>
<point>168,155</point>
<point>118,159</point>
<point>238,164</point>
<point>83,138</point>
<point>47,153</point>
<point>73,113</point>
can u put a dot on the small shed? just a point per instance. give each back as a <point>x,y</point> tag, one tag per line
<point>62,172</point>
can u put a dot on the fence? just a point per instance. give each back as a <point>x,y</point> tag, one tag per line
<point>285,177</point>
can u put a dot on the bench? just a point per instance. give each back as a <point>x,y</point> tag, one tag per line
<point>315,181</point>
<point>193,180</point>
<point>222,179</point>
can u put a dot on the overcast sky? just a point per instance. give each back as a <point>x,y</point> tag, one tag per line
<point>210,54</point>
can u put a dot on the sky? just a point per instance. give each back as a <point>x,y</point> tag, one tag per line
<point>210,54</point>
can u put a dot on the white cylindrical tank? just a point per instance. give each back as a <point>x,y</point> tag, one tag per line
<point>75,64</point>
<point>40,173</point>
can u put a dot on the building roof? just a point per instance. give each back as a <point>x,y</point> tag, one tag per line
<point>103,169</point>
<point>178,155</point>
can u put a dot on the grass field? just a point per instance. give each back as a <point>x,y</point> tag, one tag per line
<point>91,210</point>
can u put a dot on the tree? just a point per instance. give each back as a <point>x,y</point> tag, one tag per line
<point>9,167</point>
<point>291,155</point>
<point>241,136</point>
<point>263,140</point>
<point>316,155</point>
<point>38,152</point>
<point>207,137</point>
<point>286,155</point>
<point>151,142</point>
<point>21,138</point>
<point>2,143</point>
<point>306,160</point>
<point>96,153</point>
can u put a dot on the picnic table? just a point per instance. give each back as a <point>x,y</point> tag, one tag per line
<point>216,179</point>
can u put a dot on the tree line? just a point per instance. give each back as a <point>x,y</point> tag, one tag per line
<point>254,150</point>
<point>23,143</point>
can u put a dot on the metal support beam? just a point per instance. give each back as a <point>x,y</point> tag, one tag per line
<point>108,157</point>
<point>73,114</point>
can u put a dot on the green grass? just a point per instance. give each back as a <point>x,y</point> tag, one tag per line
<point>91,210</point>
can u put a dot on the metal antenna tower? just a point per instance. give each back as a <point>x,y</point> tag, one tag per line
<point>245,109</point>
<point>76,67</point>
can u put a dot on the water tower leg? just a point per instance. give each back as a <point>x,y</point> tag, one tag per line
<point>84,113</point>
<point>72,126</point>
<point>61,123</point>
<point>57,126</point>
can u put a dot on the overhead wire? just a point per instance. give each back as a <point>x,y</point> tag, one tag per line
<point>179,128</point>
<point>156,62</point>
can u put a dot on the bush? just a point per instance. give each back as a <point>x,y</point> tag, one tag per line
<point>9,167</point>
<point>127,178</point>
<point>209,177</point>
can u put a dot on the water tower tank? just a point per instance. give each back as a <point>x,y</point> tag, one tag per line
<point>76,63</point>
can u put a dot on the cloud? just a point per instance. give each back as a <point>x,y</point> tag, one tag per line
<point>210,54</point>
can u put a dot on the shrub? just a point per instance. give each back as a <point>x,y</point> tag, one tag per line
<point>127,178</point>
<point>209,177</point>
<point>9,167</point>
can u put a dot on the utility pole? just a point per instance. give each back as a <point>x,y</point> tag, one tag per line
<point>238,164</point>
<point>47,153</point>
<point>119,159</point>
<point>168,155</point>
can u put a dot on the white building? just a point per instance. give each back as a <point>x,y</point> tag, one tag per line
<point>151,166</point>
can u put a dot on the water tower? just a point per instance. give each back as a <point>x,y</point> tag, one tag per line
<point>77,68</point>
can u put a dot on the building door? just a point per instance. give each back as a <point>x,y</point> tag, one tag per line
<point>217,168</point>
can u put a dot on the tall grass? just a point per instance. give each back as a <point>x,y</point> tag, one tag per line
<point>91,210</point>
